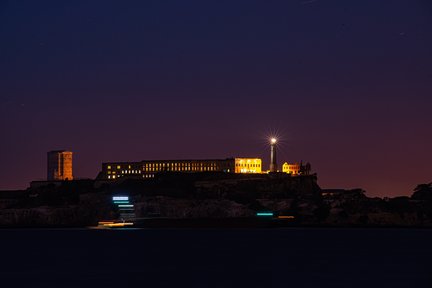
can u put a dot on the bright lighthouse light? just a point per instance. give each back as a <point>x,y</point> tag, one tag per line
<point>273,140</point>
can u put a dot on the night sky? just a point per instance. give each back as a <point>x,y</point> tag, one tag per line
<point>347,86</point>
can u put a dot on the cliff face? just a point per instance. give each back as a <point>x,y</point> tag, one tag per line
<point>70,203</point>
<point>220,198</point>
<point>161,206</point>
<point>41,216</point>
<point>210,195</point>
<point>352,207</point>
<point>86,212</point>
<point>170,195</point>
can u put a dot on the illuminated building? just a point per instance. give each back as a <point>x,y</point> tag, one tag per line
<point>247,165</point>
<point>293,169</point>
<point>148,168</point>
<point>59,165</point>
<point>273,163</point>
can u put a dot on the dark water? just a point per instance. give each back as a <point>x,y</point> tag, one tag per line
<point>216,258</point>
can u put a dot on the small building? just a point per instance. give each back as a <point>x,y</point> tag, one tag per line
<point>59,165</point>
<point>293,169</point>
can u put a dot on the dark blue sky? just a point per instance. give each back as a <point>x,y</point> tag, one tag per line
<point>347,84</point>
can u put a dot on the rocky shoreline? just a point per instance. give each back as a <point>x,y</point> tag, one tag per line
<point>84,203</point>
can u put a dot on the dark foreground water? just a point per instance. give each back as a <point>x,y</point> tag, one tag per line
<point>216,258</point>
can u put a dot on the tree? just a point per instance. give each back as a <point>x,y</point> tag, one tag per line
<point>423,192</point>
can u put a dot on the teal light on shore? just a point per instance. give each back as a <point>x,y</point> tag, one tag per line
<point>121,202</point>
<point>264,214</point>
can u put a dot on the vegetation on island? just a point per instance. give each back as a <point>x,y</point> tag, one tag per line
<point>211,195</point>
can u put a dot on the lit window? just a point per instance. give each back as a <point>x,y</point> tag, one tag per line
<point>109,167</point>
<point>118,167</point>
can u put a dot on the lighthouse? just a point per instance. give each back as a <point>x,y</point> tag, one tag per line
<point>273,163</point>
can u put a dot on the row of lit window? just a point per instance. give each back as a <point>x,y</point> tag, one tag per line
<point>292,171</point>
<point>248,160</point>
<point>112,175</point>
<point>248,171</point>
<point>174,165</point>
<point>193,168</point>
<point>125,172</point>
<point>118,167</point>
<point>247,165</point>
<point>167,165</point>
<point>131,171</point>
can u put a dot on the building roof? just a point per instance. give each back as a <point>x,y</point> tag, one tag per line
<point>168,160</point>
<point>59,151</point>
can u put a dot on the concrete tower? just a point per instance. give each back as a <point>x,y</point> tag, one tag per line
<point>59,165</point>
<point>273,163</point>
